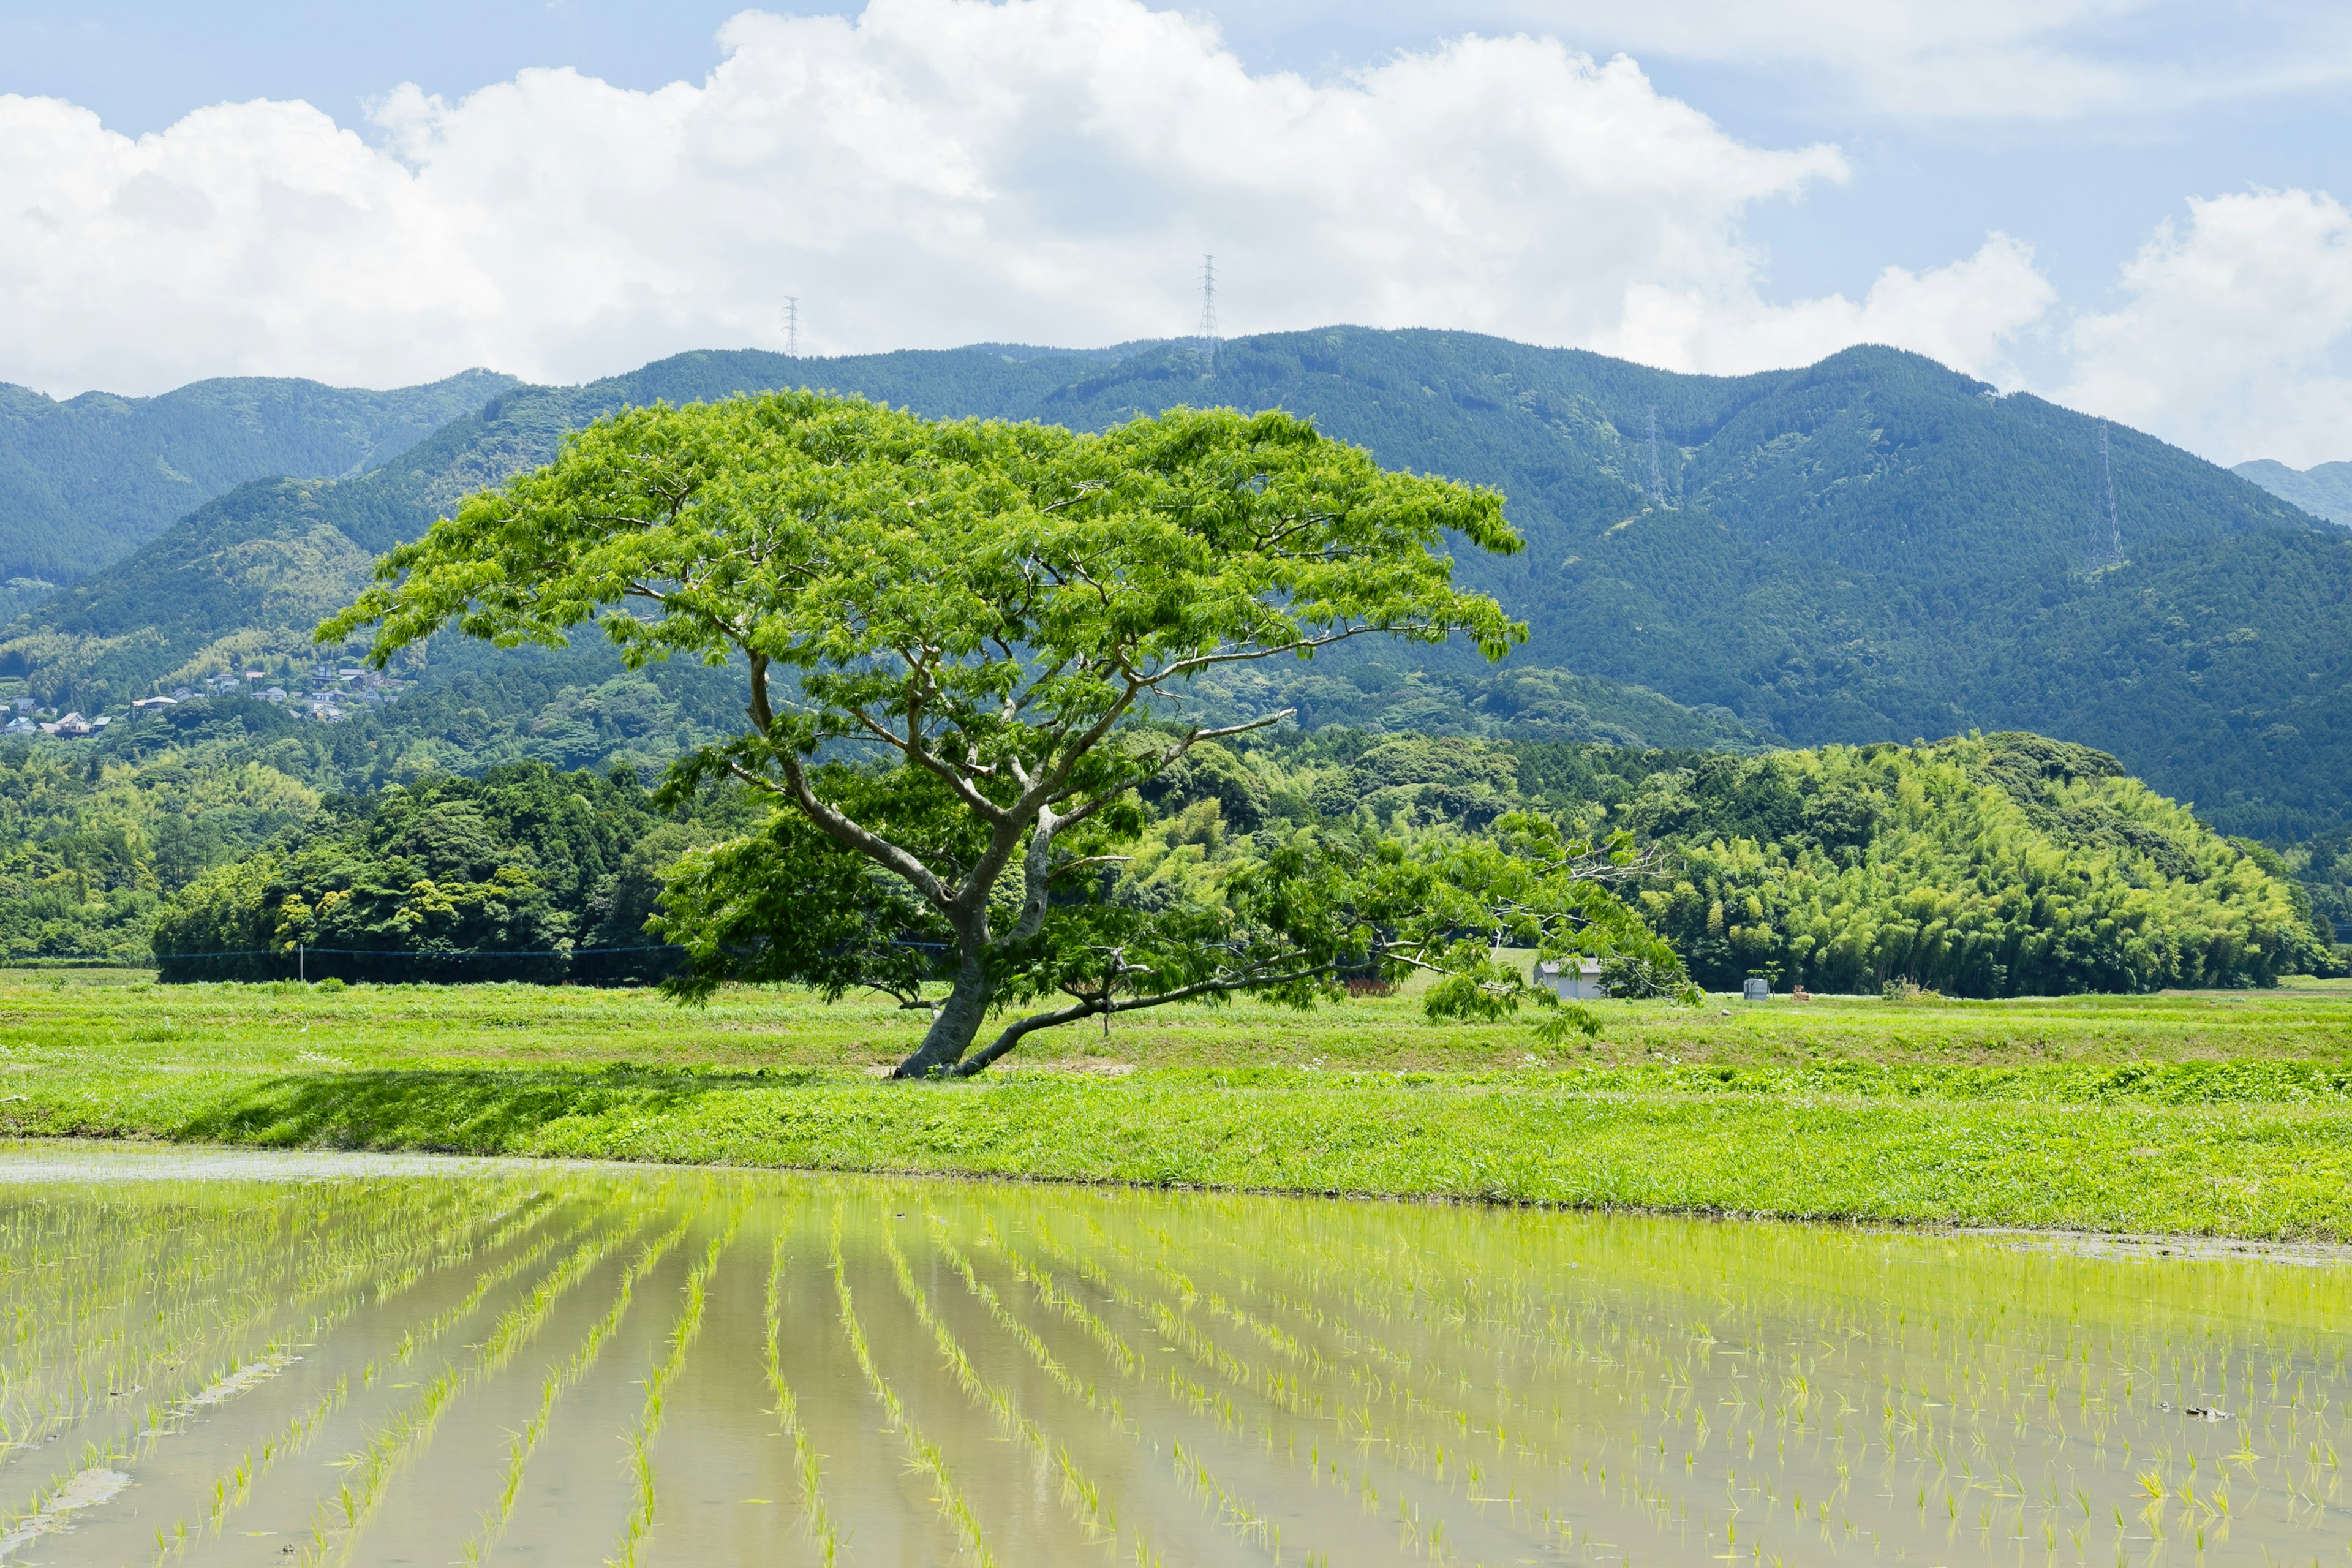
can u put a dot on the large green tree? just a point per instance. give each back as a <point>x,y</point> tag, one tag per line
<point>952,636</point>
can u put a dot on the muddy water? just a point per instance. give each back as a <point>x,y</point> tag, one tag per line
<point>244,1359</point>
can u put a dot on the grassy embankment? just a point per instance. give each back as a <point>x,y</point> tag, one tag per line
<point>2218,1113</point>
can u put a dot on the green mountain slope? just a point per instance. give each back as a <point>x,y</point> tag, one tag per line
<point>1871,548</point>
<point>2323,492</point>
<point>84,482</point>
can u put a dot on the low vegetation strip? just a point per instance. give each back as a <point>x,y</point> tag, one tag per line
<point>2225,1115</point>
<point>2233,1169</point>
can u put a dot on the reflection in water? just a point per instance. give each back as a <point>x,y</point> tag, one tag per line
<point>225,1359</point>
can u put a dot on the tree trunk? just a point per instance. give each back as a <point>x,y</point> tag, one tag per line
<point>958,1024</point>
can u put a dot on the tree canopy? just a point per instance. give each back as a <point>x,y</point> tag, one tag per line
<point>952,636</point>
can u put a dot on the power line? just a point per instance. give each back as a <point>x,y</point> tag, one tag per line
<point>1209,311</point>
<point>792,326</point>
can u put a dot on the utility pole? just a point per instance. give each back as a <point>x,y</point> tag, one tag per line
<point>1209,311</point>
<point>793,326</point>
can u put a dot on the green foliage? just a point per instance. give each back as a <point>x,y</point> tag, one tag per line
<point>1987,867</point>
<point>393,886</point>
<point>1570,1018</point>
<point>89,845</point>
<point>1995,866</point>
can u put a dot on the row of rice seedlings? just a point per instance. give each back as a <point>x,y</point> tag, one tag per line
<point>232,1267</point>
<point>1105,1404</point>
<point>681,1338</point>
<point>1285,1392</point>
<point>1202,1400</point>
<point>921,1452</point>
<point>149,1421</point>
<point>1418,1385</point>
<point>182,1346</point>
<point>1790,1412</point>
<point>392,1446</point>
<point>56,1378</point>
<point>1195,1396</point>
<point>1081,1494</point>
<point>1458,1467</point>
<point>234,1487</point>
<point>814,1515</point>
<point>559,1378</point>
<point>155,1419</point>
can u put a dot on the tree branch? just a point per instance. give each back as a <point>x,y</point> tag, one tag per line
<point>1012,1036</point>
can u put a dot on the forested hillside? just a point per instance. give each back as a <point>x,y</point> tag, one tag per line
<point>1991,866</point>
<point>1872,548</point>
<point>2324,490</point>
<point>86,481</point>
<point>413,882</point>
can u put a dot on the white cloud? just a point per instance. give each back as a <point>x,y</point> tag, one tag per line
<point>2030,60</point>
<point>2234,337</point>
<point>1969,315</point>
<point>934,171</point>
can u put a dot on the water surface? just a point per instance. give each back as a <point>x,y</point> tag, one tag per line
<point>246,1358</point>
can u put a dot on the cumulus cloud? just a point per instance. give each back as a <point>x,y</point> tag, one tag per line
<point>937,171</point>
<point>933,172</point>
<point>2232,337</point>
<point>1970,315</point>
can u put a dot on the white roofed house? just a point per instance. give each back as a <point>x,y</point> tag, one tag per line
<point>1575,978</point>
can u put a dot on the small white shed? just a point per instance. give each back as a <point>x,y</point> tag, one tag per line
<point>1575,978</point>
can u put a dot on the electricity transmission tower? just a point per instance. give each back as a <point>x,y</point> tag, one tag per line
<point>2113,553</point>
<point>1657,474</point>
<point>792,326</point>
<point>1209,311</point>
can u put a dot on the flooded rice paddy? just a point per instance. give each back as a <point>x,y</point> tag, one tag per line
<point>226,1358</point>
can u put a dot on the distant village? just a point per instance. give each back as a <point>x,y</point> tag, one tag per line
<point>334,694</point>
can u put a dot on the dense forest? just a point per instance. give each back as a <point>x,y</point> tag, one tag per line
<point>1984,866</point>
<point>85,482</point>
<point>1989,866</point>
<point>522,874</point>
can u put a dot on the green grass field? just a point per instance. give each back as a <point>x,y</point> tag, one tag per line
<point>2226,1114</point>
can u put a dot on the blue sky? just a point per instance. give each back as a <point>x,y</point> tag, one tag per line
<point>2034,171</point>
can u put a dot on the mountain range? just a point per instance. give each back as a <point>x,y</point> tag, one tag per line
<point>1873,547</point>
<point>2324,490</point>
<point>86,481</point>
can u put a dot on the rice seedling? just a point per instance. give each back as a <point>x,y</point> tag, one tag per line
<point>390,1446</point>
<point>814,1513</point>
<point>1082,1496</point>
<point>681,1338</point>
<point>206,1364</point>
<point>921,1452</point>
<point>582,1360</point>
<point>1378,1383</point>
